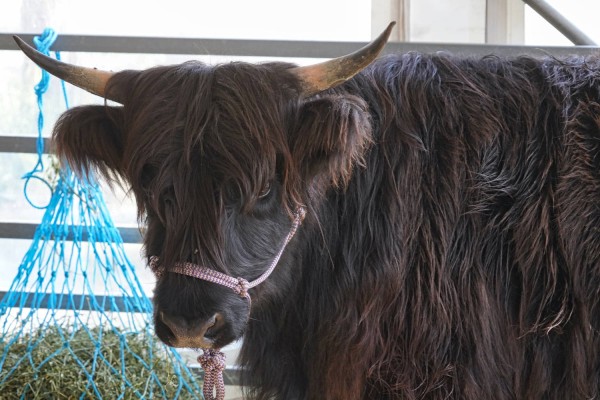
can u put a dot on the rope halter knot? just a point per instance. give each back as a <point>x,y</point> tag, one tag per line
<point>213,364</point>
<point>213,360</point>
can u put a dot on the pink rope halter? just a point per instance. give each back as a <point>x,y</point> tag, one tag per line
<point>213,360</point>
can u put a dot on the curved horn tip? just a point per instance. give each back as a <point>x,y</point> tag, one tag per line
<point>24,46</point>
<point>18,40</point>
<point>89,79</point>
<point>319,77</point>
<point>388,30</point>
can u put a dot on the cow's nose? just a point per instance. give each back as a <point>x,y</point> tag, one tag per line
<point>192,332</point>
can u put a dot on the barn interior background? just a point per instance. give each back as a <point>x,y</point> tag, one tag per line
<point>138,34</point>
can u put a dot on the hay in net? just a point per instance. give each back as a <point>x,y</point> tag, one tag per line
<point>75,322</point>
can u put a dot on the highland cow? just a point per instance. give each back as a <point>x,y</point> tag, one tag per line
<point>451,245</point>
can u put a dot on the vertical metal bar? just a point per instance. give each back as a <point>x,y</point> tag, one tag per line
<point>505,22</point>
<point>385,11</point>
<point>563,25</point>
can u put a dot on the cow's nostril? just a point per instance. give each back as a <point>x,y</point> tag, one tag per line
<point>175,324</point>
<point>198,329</point>
<point>212,327</point>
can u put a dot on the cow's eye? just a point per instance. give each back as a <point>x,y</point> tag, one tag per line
<point>148,174</point>
<point>265,191</point>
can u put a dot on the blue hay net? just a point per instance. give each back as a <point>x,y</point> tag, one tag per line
<point>76,286</point>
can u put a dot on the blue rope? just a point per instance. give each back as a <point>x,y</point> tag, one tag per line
<point>75,248</point>
<point>43,44</point>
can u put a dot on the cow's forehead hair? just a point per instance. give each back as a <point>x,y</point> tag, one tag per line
<point>224,122</point>
<point>192,131</point>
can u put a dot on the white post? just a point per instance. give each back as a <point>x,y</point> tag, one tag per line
<point>505,22</point>
<point>385,11</point>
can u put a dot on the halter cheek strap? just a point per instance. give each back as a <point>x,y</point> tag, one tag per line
<point>213,360</point>
<point>238,285</point>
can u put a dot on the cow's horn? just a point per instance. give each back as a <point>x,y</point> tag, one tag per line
<point>89,79</point>
<point>318,77</point>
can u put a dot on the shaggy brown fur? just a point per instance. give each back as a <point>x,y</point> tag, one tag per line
<point>451,247</point>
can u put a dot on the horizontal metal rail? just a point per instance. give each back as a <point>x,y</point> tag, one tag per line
<point>63,301</point>
<point>275,48</point>
<point>20,144</point>
<point>22,230</point>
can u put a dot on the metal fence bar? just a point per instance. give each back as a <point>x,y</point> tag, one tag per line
<point>562,24</point>
<point>487,49</point>
<point>161,45</point>
<point>19,144</point>
<point>21,230</point>
<point>78,302</point>
<point>275,48</point>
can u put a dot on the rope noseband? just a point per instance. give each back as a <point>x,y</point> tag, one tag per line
<point>213,360</point>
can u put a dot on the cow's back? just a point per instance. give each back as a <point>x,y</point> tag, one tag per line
<point>464,253</point>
